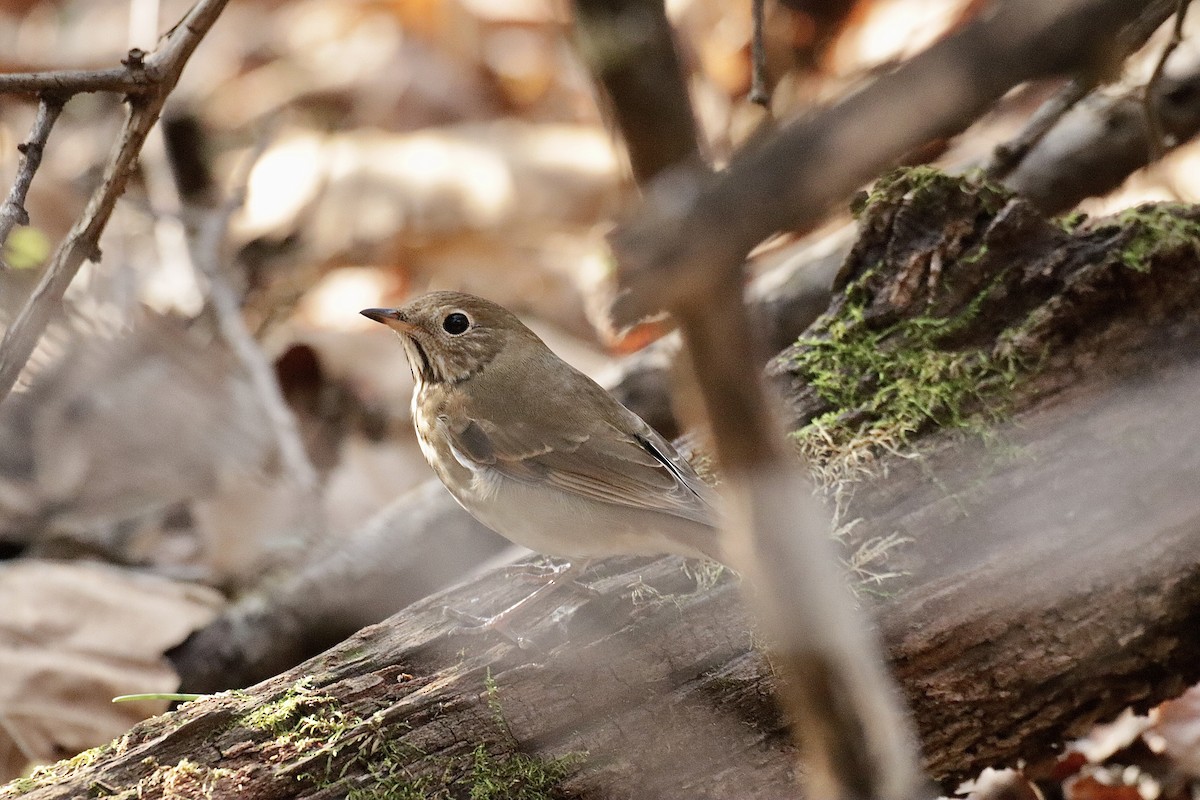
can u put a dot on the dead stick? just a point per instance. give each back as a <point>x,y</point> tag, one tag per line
<point>758,57</point>
<point>856,739</point>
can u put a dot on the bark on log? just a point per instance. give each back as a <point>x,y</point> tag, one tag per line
<point>1052,579</point>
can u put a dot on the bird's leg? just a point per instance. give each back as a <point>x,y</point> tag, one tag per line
<point>501,621</point>
<point>533,571</point>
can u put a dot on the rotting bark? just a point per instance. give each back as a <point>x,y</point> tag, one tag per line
<point>1053,577</point>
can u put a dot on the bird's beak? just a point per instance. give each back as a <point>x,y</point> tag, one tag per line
<point>392,317</point>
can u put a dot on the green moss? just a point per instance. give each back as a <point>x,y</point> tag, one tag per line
<point>53,773</point>
<point>518,776</point>
<point>706,574</point>
<point>1071,222</point>
<point>492,691</point>
<point>392,769</point>
<point>887,385</point>
<point>385,763</point>
<point>184,779</point>
<point>317,733</point>
<point>484,777</point>
<point>1157,229</point>
<point>283,717</point>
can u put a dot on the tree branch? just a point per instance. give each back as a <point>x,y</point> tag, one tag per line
<point>1008,156</point>
<point>13,212</point>
<point>129,79</point>
<point>162,69</point>
<point>1092,149</point>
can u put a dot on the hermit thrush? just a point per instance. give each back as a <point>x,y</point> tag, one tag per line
<point>535,449</point>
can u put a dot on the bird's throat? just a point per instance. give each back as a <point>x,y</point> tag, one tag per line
<point>418,360</point>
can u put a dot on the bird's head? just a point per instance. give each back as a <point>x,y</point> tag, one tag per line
<point>450,336</point>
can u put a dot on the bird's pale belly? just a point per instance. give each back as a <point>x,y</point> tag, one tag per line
<point>555,523</point>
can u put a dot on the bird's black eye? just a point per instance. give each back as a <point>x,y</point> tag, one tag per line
<point>456,323</point>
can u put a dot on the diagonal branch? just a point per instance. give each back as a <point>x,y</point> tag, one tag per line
<point>162,68</point>
<point>1008,156</point>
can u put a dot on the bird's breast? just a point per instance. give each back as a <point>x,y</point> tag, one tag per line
<point>466,481</point>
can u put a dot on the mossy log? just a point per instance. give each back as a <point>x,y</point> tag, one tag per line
<point>1052,565</point>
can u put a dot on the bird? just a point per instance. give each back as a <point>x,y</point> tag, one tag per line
<point>536,450</point>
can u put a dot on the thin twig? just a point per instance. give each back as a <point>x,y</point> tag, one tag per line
<point>758,57</point>
<point>1154,127</point>
<point>163,67</point>
<point>13,212</point>
<point>26,748</point>
<point>1008,156</point>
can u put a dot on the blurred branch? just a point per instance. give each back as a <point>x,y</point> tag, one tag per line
<point>162,69</point>
<point>13,212</point>
<point>1008,156</point>
<point>1092,149</point>
<point>758,57</point>
<point>630,48</point>
<point>1154,128</point>
<point>226,310</point>
<point>201,246</point>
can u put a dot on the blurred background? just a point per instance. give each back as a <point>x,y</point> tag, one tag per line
<point>384,148</point>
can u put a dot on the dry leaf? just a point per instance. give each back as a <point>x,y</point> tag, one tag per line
<point>72,637</point>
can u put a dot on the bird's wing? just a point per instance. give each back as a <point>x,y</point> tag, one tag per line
<point>625,463</point>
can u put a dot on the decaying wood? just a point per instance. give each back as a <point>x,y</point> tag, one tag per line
<point>1053,571</point>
